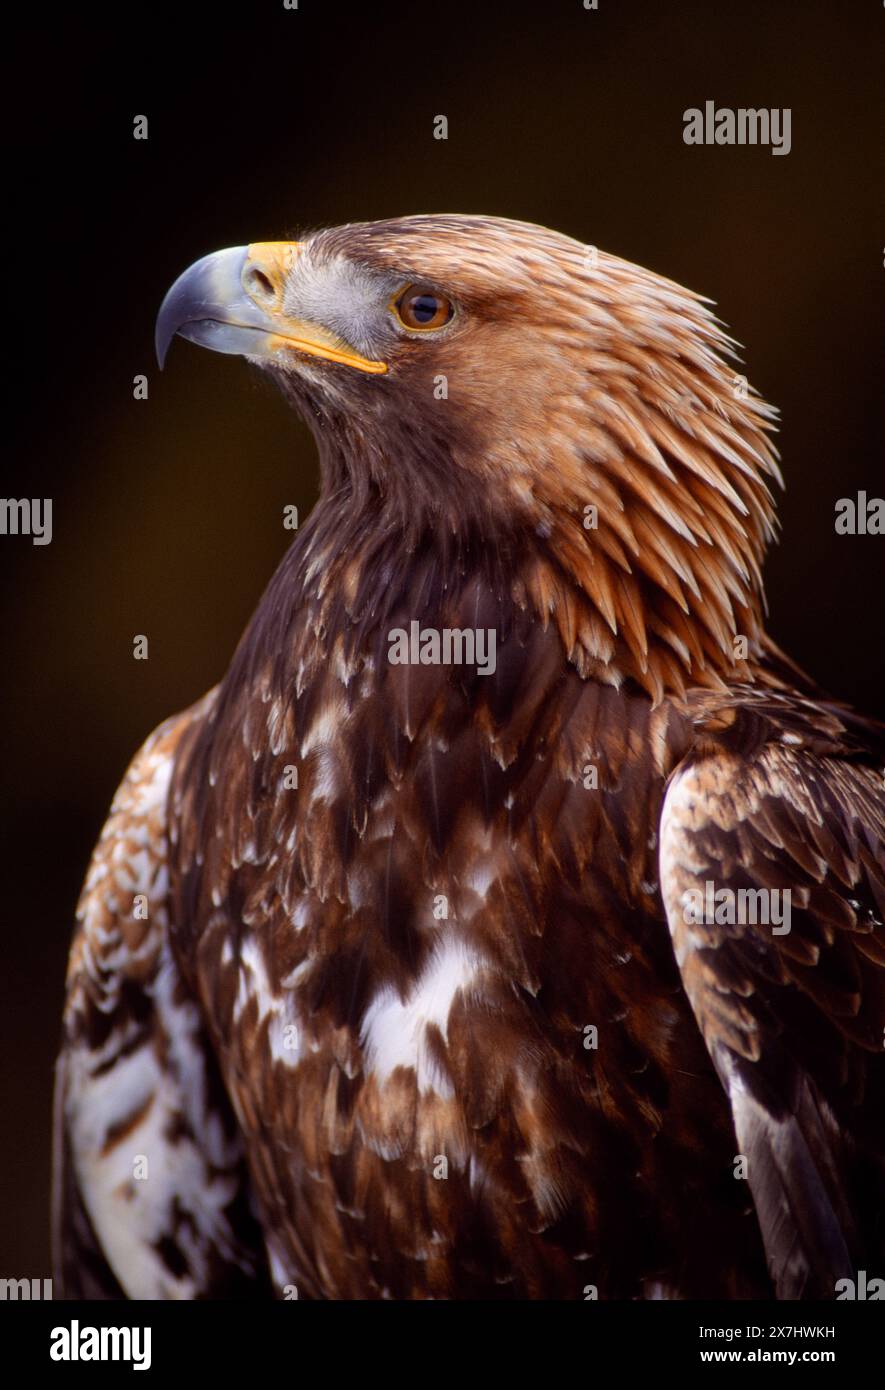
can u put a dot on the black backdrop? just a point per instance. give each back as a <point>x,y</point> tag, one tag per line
<point>263,122</point>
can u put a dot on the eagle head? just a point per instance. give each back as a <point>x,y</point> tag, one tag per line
<point>495,384</point>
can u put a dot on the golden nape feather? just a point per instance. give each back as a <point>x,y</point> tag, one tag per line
<point>515,905</point>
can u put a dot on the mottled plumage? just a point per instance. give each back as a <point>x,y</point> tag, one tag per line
<point>352,1036</point>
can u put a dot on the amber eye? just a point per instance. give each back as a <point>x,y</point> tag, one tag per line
<point>419,308</point>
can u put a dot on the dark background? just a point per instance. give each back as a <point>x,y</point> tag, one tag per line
<point>263,122</point>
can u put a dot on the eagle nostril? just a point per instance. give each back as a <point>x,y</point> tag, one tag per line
<point>259,285</point>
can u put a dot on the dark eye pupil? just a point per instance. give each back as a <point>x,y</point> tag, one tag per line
<point>423,307</point>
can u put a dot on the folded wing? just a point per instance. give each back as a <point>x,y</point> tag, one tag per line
<point>792,1007</point>
<point>151,1197</point>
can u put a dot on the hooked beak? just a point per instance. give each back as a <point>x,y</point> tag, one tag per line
<point>232,301</point>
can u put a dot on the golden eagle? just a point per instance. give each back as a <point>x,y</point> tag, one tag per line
<point>507,923</point>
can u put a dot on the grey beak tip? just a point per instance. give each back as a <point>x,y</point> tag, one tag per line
<point>166,327</point>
